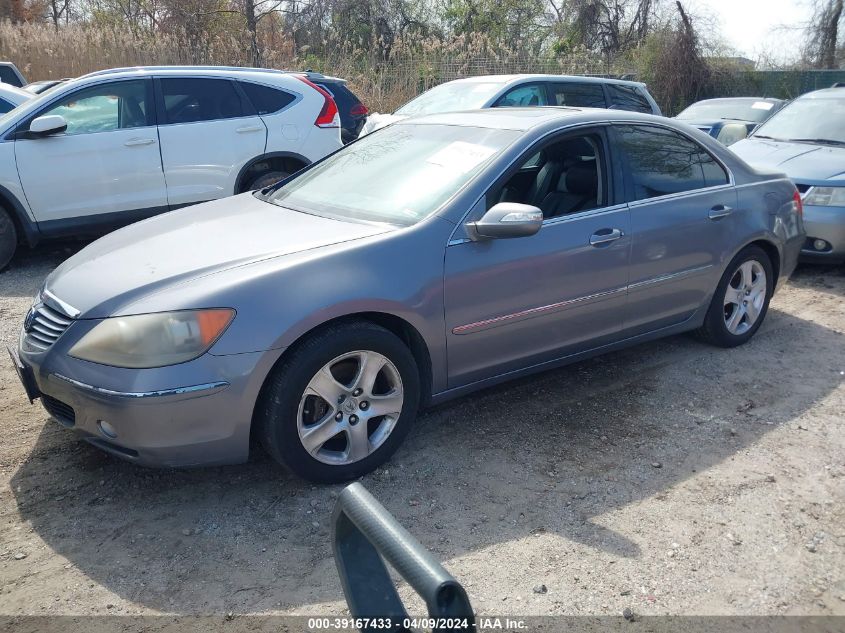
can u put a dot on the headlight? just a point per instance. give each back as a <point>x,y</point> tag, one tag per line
<point>825,196</point>
<point>153,340</point>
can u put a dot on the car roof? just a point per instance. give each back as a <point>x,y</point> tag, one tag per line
<point>739,100</point>
<point>227,71</point>
<point>523,119</point>
<point>518,78</point>
<point>825,93</point>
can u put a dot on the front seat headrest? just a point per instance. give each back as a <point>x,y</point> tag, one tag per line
<point>582,180</point>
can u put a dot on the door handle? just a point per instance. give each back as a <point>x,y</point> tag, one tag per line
<point>719,211</point>
<point>135,142</point>
<point>605,236</point>
<point>248,128</point>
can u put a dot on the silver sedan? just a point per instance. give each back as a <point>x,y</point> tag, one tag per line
<point>429,259</point>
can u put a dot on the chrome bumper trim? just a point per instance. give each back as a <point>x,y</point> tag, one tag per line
<point>210,387</point>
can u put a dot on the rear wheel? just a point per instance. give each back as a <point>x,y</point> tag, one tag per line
<point>341,403</point>
<point>741,299</point>
<point>8,238</point>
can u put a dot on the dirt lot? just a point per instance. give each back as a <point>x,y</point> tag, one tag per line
<point>669,478</point>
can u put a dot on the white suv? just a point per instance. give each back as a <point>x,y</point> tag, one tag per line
<point>119,145</point>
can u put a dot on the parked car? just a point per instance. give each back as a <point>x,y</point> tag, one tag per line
<point>119,145</point>
<point>11,97</point>
<point>353,113</point>
<point>37,87</point>
<point>9,74</point>
<point>499,91</point>
<point>732,119</point>
<point>806,139</point>
<point>429,259</point>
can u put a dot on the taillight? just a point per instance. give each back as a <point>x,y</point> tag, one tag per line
<point>799,204</point>
<point>359,110</point>
<point>328,116</point>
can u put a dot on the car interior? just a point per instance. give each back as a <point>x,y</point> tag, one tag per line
<point>565,177</point>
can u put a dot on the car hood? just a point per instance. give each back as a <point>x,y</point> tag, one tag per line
<point>187,244</point>
<point>800,161</point>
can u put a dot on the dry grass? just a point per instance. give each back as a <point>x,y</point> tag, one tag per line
<point>43,53</point>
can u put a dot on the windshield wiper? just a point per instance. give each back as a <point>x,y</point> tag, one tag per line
<point>820,141</point>
<point>771,138</point>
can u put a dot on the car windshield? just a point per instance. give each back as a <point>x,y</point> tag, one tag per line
<point>811,120</point>
<point>740,110</point>
<point>397,175</point>
<point>451,97</point>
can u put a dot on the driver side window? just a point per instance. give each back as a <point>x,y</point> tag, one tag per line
<point>103,108</point>
<point>565,177</point>
<point>523,96</point>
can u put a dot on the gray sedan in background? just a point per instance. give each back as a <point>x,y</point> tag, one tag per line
<point>429,259</point>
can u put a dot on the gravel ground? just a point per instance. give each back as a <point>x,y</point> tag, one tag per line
<point>669,478</point>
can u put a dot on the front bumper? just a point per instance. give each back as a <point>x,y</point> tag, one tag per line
<point>826,223</point>
<point>203,420</point>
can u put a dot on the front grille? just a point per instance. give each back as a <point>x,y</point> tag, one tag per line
<point>63,413</point>
<point>705,128</point>
<point>803,188</point>
<point>44,326</point>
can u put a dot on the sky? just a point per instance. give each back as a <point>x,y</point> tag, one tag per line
<point>751,26</point>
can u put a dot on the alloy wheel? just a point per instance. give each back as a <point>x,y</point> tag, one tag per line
<point>350,407</point>
<point>745,297</point>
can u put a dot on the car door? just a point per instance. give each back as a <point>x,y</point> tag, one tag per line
<point>683,215</point>
<point>513,303</point>
<point>106,162</point>
<point>208,132</point>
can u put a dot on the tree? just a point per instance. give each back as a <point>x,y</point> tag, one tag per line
<point>823,34</point>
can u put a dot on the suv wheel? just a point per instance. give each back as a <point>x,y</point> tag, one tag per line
<point>266,179</point>
<point>341,403</point>
<point>8,238</point>
<point>741,299</point>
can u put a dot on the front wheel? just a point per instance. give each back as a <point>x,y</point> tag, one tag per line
<point>341,403</point>
<point>741,299</point>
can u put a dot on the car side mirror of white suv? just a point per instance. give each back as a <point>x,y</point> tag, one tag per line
<point>47,125</point>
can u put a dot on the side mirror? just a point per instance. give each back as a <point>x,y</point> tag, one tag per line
<point>47,125</point>
<point>508,219</point>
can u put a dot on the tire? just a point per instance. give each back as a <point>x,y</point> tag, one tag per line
<point>354,439</point>
<point>8,238</point>
<point>730,320</point>
<point>266,179</point>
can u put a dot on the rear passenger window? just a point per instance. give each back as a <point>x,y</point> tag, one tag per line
<point>6,106</point>
<point>576,95</point>
<point>193,100</point>
<point>662,162</point>
<point>628,98</point>
<point>266,100</point>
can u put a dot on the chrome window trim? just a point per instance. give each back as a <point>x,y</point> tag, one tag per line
<point>677,196</point>
<point>210,387</point>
